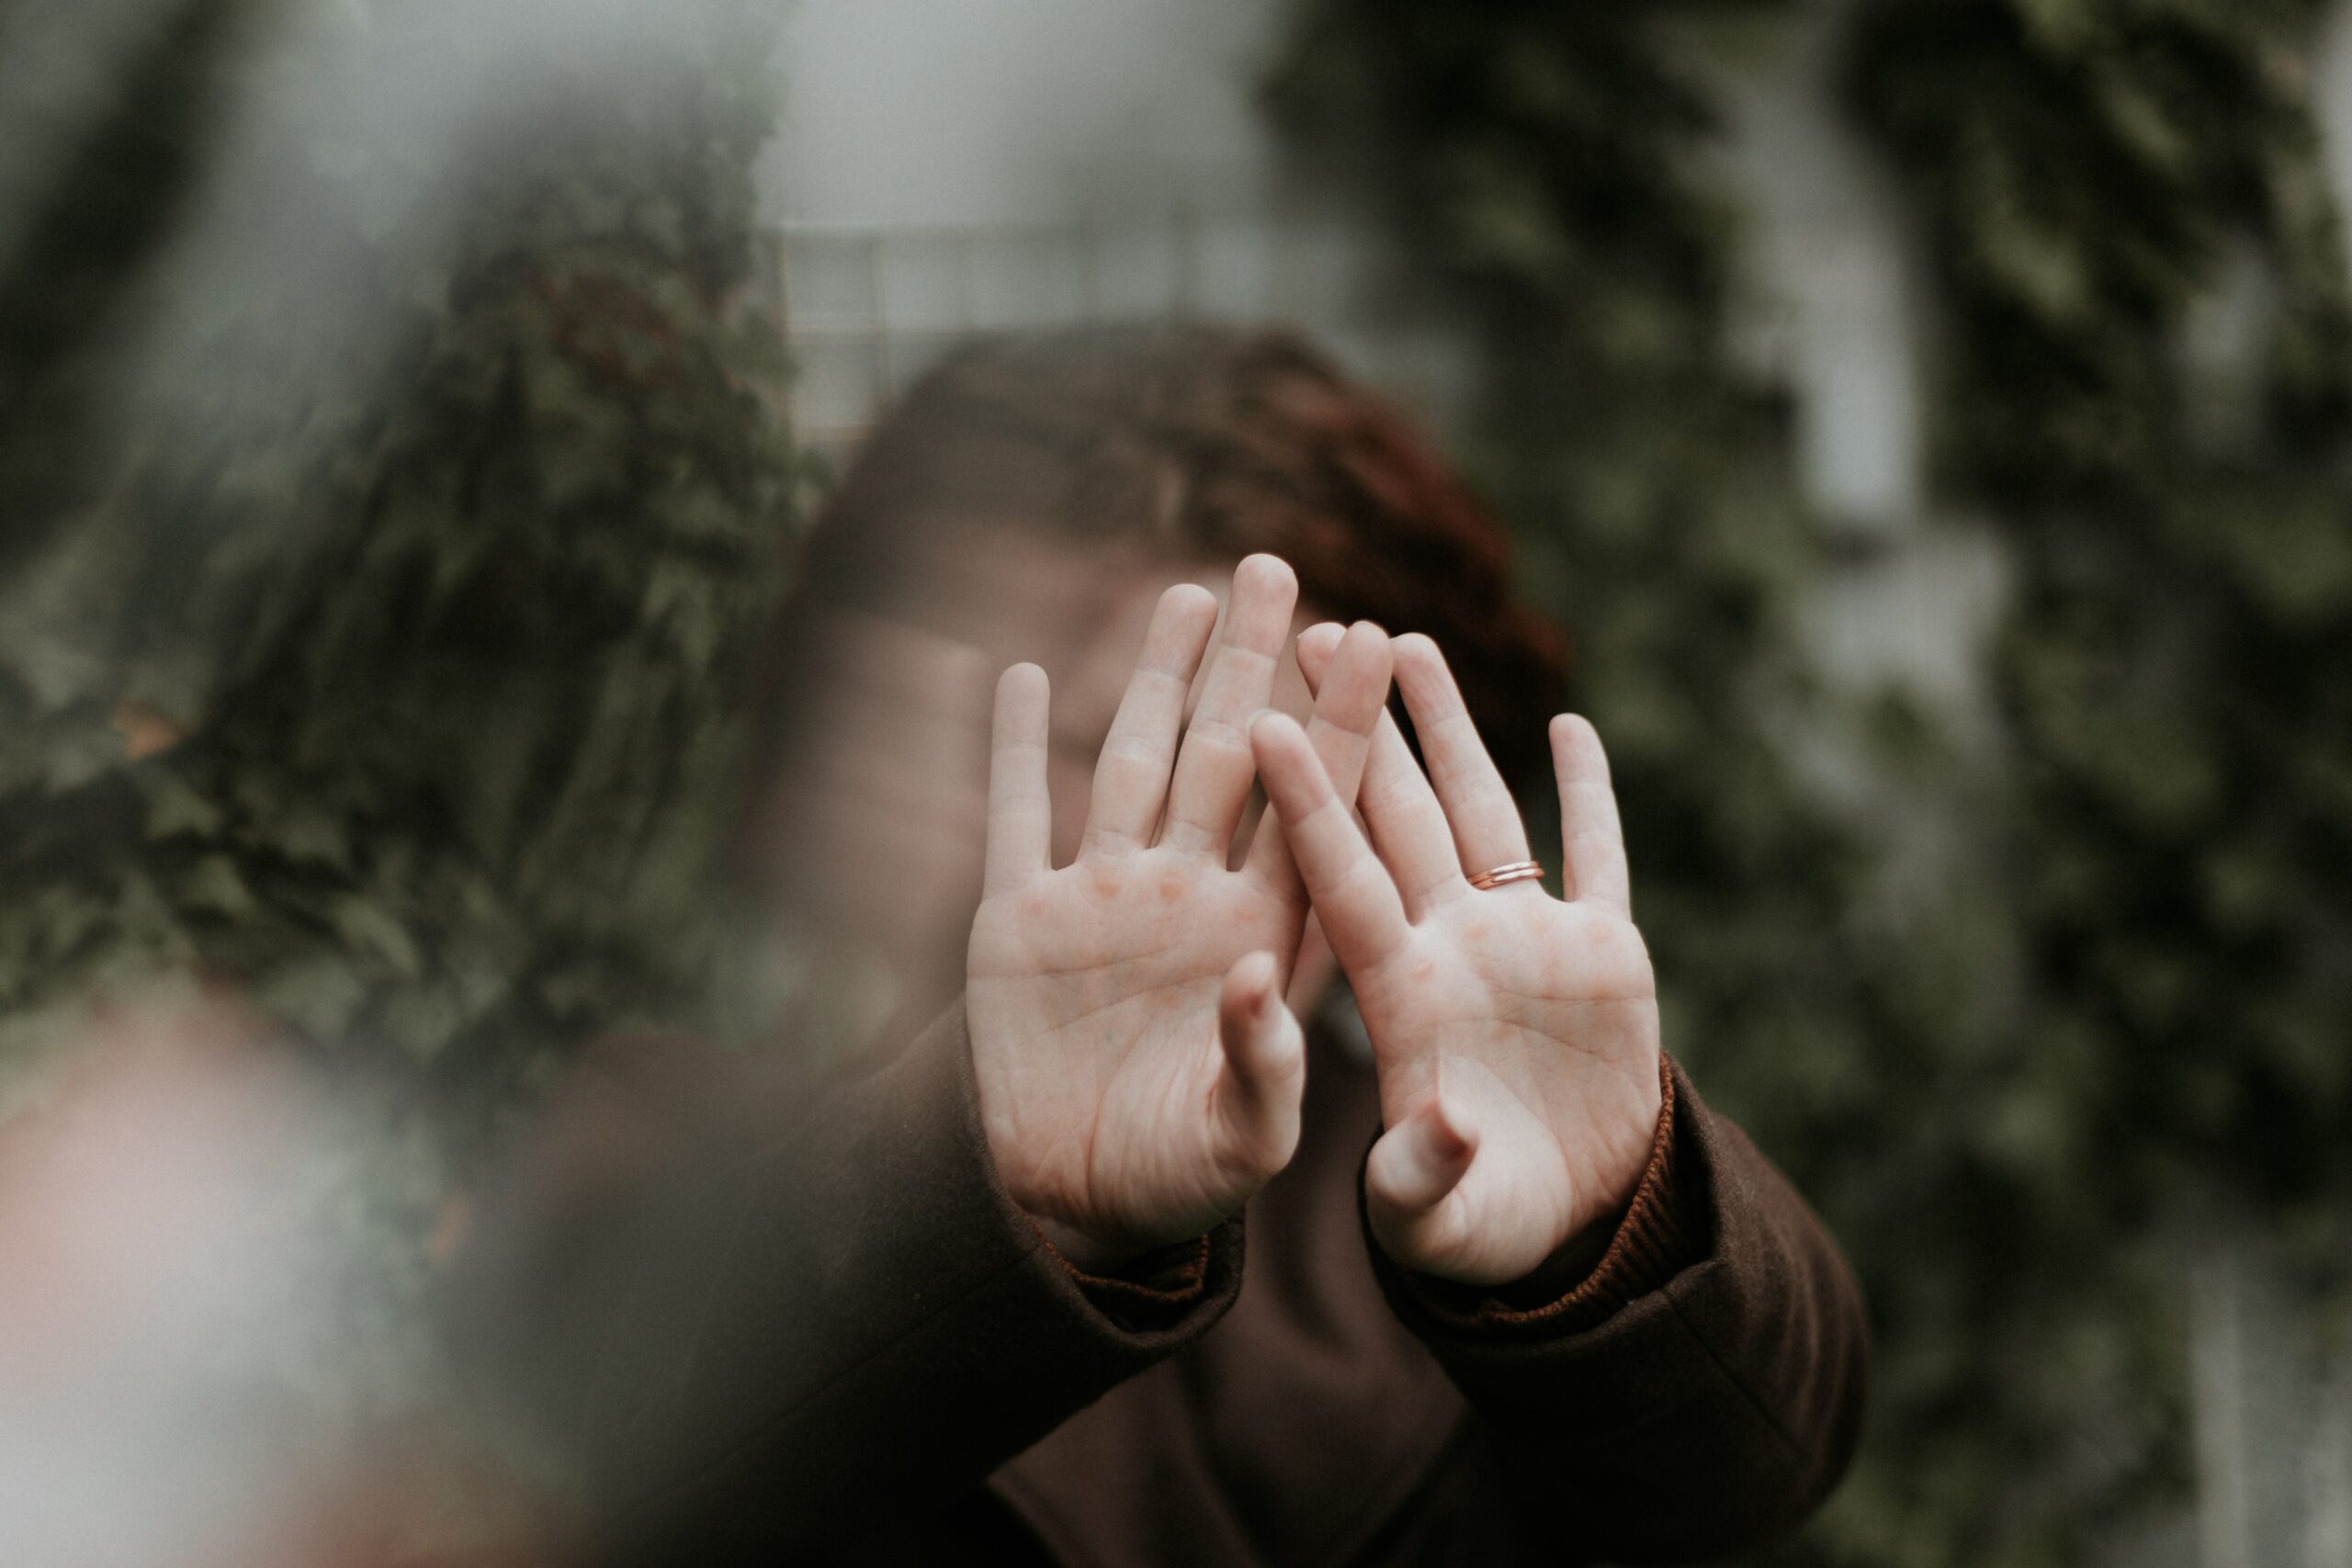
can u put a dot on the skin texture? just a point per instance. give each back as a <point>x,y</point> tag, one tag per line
<point>874,829</point>
<point>1516,1034</point>
<point>1139,1076</point>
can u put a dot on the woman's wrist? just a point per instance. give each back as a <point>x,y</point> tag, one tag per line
<point>1085,1251</point>
<point>1570,1264</point>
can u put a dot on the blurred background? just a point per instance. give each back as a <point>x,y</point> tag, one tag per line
<point>1931,420</point>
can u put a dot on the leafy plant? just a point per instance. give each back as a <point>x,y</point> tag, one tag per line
<point>2016,1071</point>
<point>393,526</point>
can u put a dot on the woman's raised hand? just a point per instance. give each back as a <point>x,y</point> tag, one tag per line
<point>1516,1035</point>
<point>1139,1076</point>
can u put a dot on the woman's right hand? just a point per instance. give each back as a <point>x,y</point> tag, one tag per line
<point>1515,1034</point>
<point>1139,1075</point>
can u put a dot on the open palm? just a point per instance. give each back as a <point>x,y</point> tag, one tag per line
<point>1515,1034</point>
<point>1139,1075</point>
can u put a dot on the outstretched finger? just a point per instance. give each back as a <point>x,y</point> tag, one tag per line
<point>1409,826</point>
<point>1315,648</point>
<point>1262,1077</point>
<point>1214,770</point>
<point>1592,840</point>
<point>1412,1170</point>
<point>1358,905</point>
<point>1131,775</point>
<point>1349,707</point>
<point>1487,829</point>
<point>1021,810</point>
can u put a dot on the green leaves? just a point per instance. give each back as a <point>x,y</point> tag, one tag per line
<point>425,518</point>
<point>2013,1014</point>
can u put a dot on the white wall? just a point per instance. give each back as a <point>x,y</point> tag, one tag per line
<point>980,143</point>
<point>951,165</point>
<point>930,113</point>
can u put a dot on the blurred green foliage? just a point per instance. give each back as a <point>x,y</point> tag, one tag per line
<point>388,515</point>
<point>2107,188</point>
<point>2020,1071</point>
<point>391,510</point>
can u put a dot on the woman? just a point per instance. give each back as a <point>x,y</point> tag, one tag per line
<point>1029,499</point>
<point>982,1298</point>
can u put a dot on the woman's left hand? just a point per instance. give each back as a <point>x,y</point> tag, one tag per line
<point>1516,1034</point>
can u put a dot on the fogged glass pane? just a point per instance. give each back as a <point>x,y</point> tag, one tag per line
<point>1233,262</point>
<point>922,282</point>
<point>1139,272</point>
<point>1027,277</point>
<point>1319,272</point>
<point>1355,349</point>
<point>839,381</point>
<point>912,354</point>
<point>829,279</point>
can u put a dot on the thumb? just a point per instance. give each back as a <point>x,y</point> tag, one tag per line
<point>1414,1167</point>
<point>1263,1073</point>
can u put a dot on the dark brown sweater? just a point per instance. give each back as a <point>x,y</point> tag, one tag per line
<point>818,1331</point>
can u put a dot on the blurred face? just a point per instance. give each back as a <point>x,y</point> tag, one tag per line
<point>878,825</point>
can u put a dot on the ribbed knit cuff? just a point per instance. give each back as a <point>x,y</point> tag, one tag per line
<point>1653,1242</point>
<point>1153,1291</point>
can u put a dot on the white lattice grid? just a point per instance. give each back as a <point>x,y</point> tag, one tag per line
<point>868,309</point>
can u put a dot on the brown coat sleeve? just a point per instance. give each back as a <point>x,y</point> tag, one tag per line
<point>794,1333</point>
<point>1705,1414</point>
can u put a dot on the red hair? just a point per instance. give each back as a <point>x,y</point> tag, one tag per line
<point>1202,443</point>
